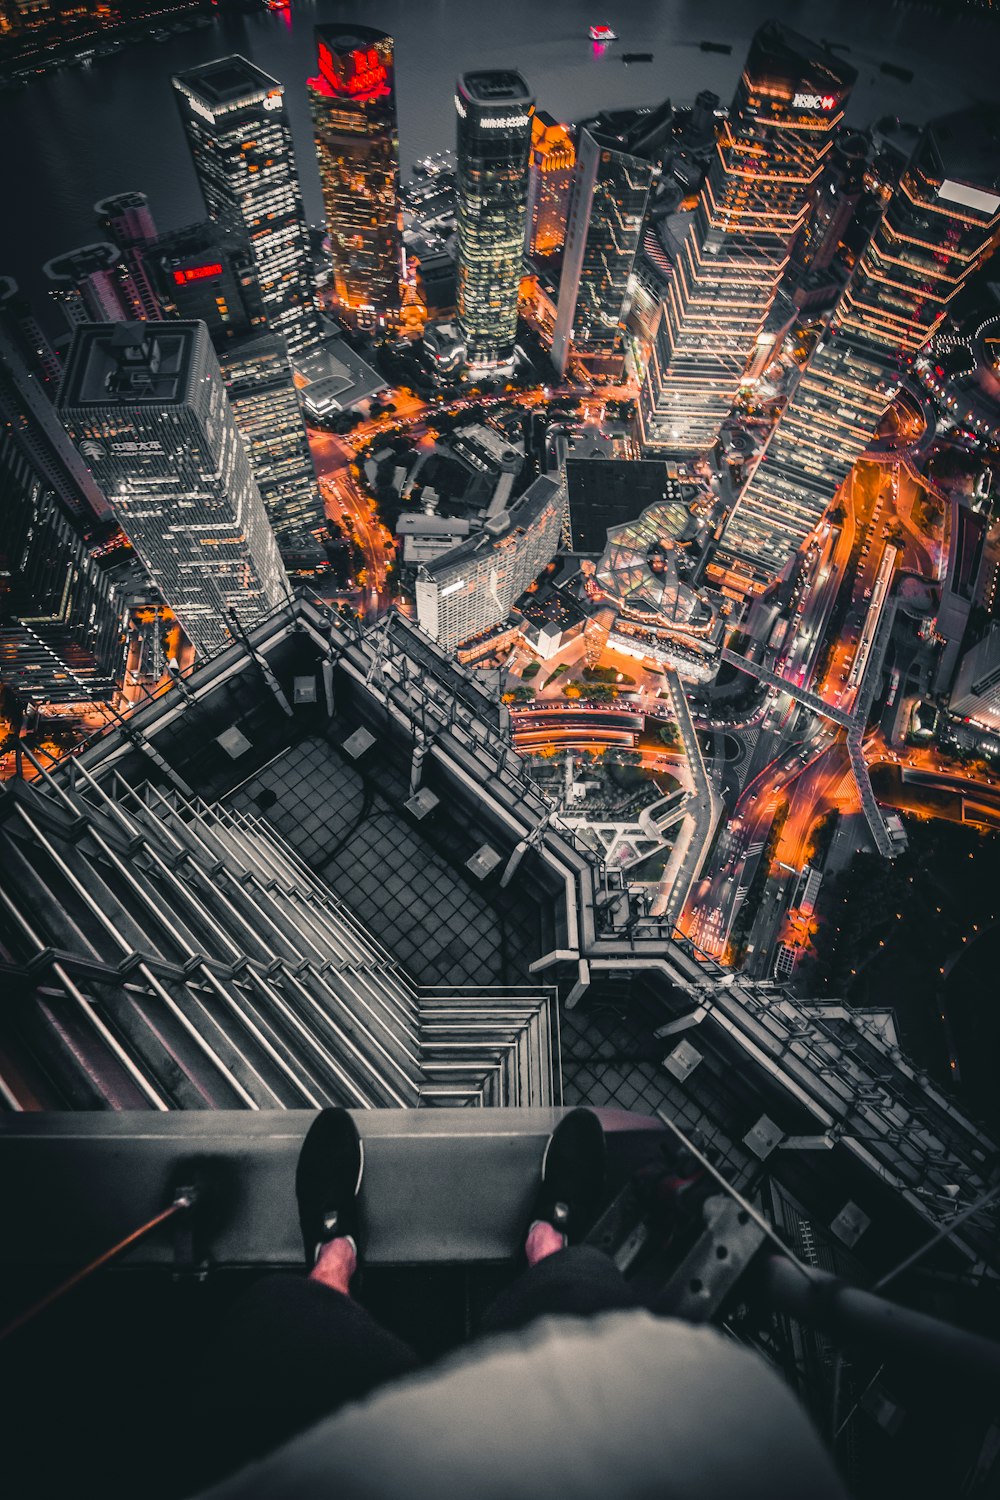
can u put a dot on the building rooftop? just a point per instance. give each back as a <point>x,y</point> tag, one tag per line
<point>226,81</point>
<point>521,514</point>
<point>501,87</point>
<point>966,145</point>
<point>129,363</point>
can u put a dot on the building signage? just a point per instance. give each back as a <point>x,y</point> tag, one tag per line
<point>272,101</point>
<point>813,101</point>
<point>504,122</point>
<point>460,107</point>
<point>132,448</point>
<point>92,450</point>
<point>196,273</point>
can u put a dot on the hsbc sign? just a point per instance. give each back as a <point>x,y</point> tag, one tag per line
<point>813,101</point>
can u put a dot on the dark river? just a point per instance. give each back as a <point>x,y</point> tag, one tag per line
<point>80,134</point>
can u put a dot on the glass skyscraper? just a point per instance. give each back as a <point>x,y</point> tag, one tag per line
<point>610,192</point>
<point>494,137</point>
<point>941,223</point>
<point>146,406</point>
<point>241,144</point>
<point>770,152</point>
<point>353,105</point>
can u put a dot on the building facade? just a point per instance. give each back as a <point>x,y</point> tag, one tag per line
<point>61,632</point>
<point>610,193</point>
<point>941,223</point>
<point>494,111</point>
<point>473,587</point>
<point>127,219</point>
<point>353,103</point>
<point>265,405</point>
<point>770,152</point>
<point>550,181</point>
<point>147,408</point>
<point>29,372</point>
<point>976,694</point>
<point>207,273</point>
<point>241,145</point>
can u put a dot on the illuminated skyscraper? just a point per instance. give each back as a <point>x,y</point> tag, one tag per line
<point>942,222</point>
<point>207,273</point>
<point>28,371</point>
<point>146,405</point>
<point>60,615</point>
<point>353,104</point>
<point>494,135</point>
<point>266,407</point>
<point>550,180</point>
<point>610,192</point>
<point>770,152</point>
<point>241,144</point>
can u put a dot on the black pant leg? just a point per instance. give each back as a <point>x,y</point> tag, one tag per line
<point>290,1352</point>
<point>578,1281</point>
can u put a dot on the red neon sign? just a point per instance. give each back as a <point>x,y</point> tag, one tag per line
<point>360,74</point>
<point>196,273</point>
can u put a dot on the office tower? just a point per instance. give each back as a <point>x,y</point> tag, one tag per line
<point>146,404</point>
<point>771,150</point>
<point>102,284</point>
<point>26,334</point>
<point>473,587</point>
<point>976,694</point>
<point>610,192</point>
<point>940,225</point>
<point>839,192</point>
<point>61,638</point>
<point>266,409</point>
<point>26,410</point>
<point>550,180</point>
<point>494,136</point>
<point>126,218</point>
<point>207,273</point>
<point>241,144</point>
<point>353,103</point>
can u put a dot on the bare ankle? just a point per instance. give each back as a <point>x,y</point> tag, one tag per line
<point>336,1263</point>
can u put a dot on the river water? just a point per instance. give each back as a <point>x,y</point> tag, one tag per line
<point>82,133</point>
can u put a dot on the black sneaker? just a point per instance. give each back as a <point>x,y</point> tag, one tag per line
<point>573,1170</point>
<point>327,1181</point>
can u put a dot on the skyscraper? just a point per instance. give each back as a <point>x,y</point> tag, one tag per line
<point>610,192</point>
<point>100,283</point>
<point>941,223</point>
<point>550,180</point>
<point>27,372</point>
<point>146,405</point>
<point>265,405</point>
<point>494,136</point>
<point>241,144</point>
<point>207,273</point>
<point>60,616</point>
<point>126,218</point>
<point>771,149</point>
<point>353,103</point>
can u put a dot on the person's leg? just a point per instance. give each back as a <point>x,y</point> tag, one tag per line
<point>576,1280</point>
<point>562,1276</point>
<point>295,1348</point>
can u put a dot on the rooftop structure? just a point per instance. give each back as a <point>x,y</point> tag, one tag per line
<point>607,492</point>
<point>258,795</point>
